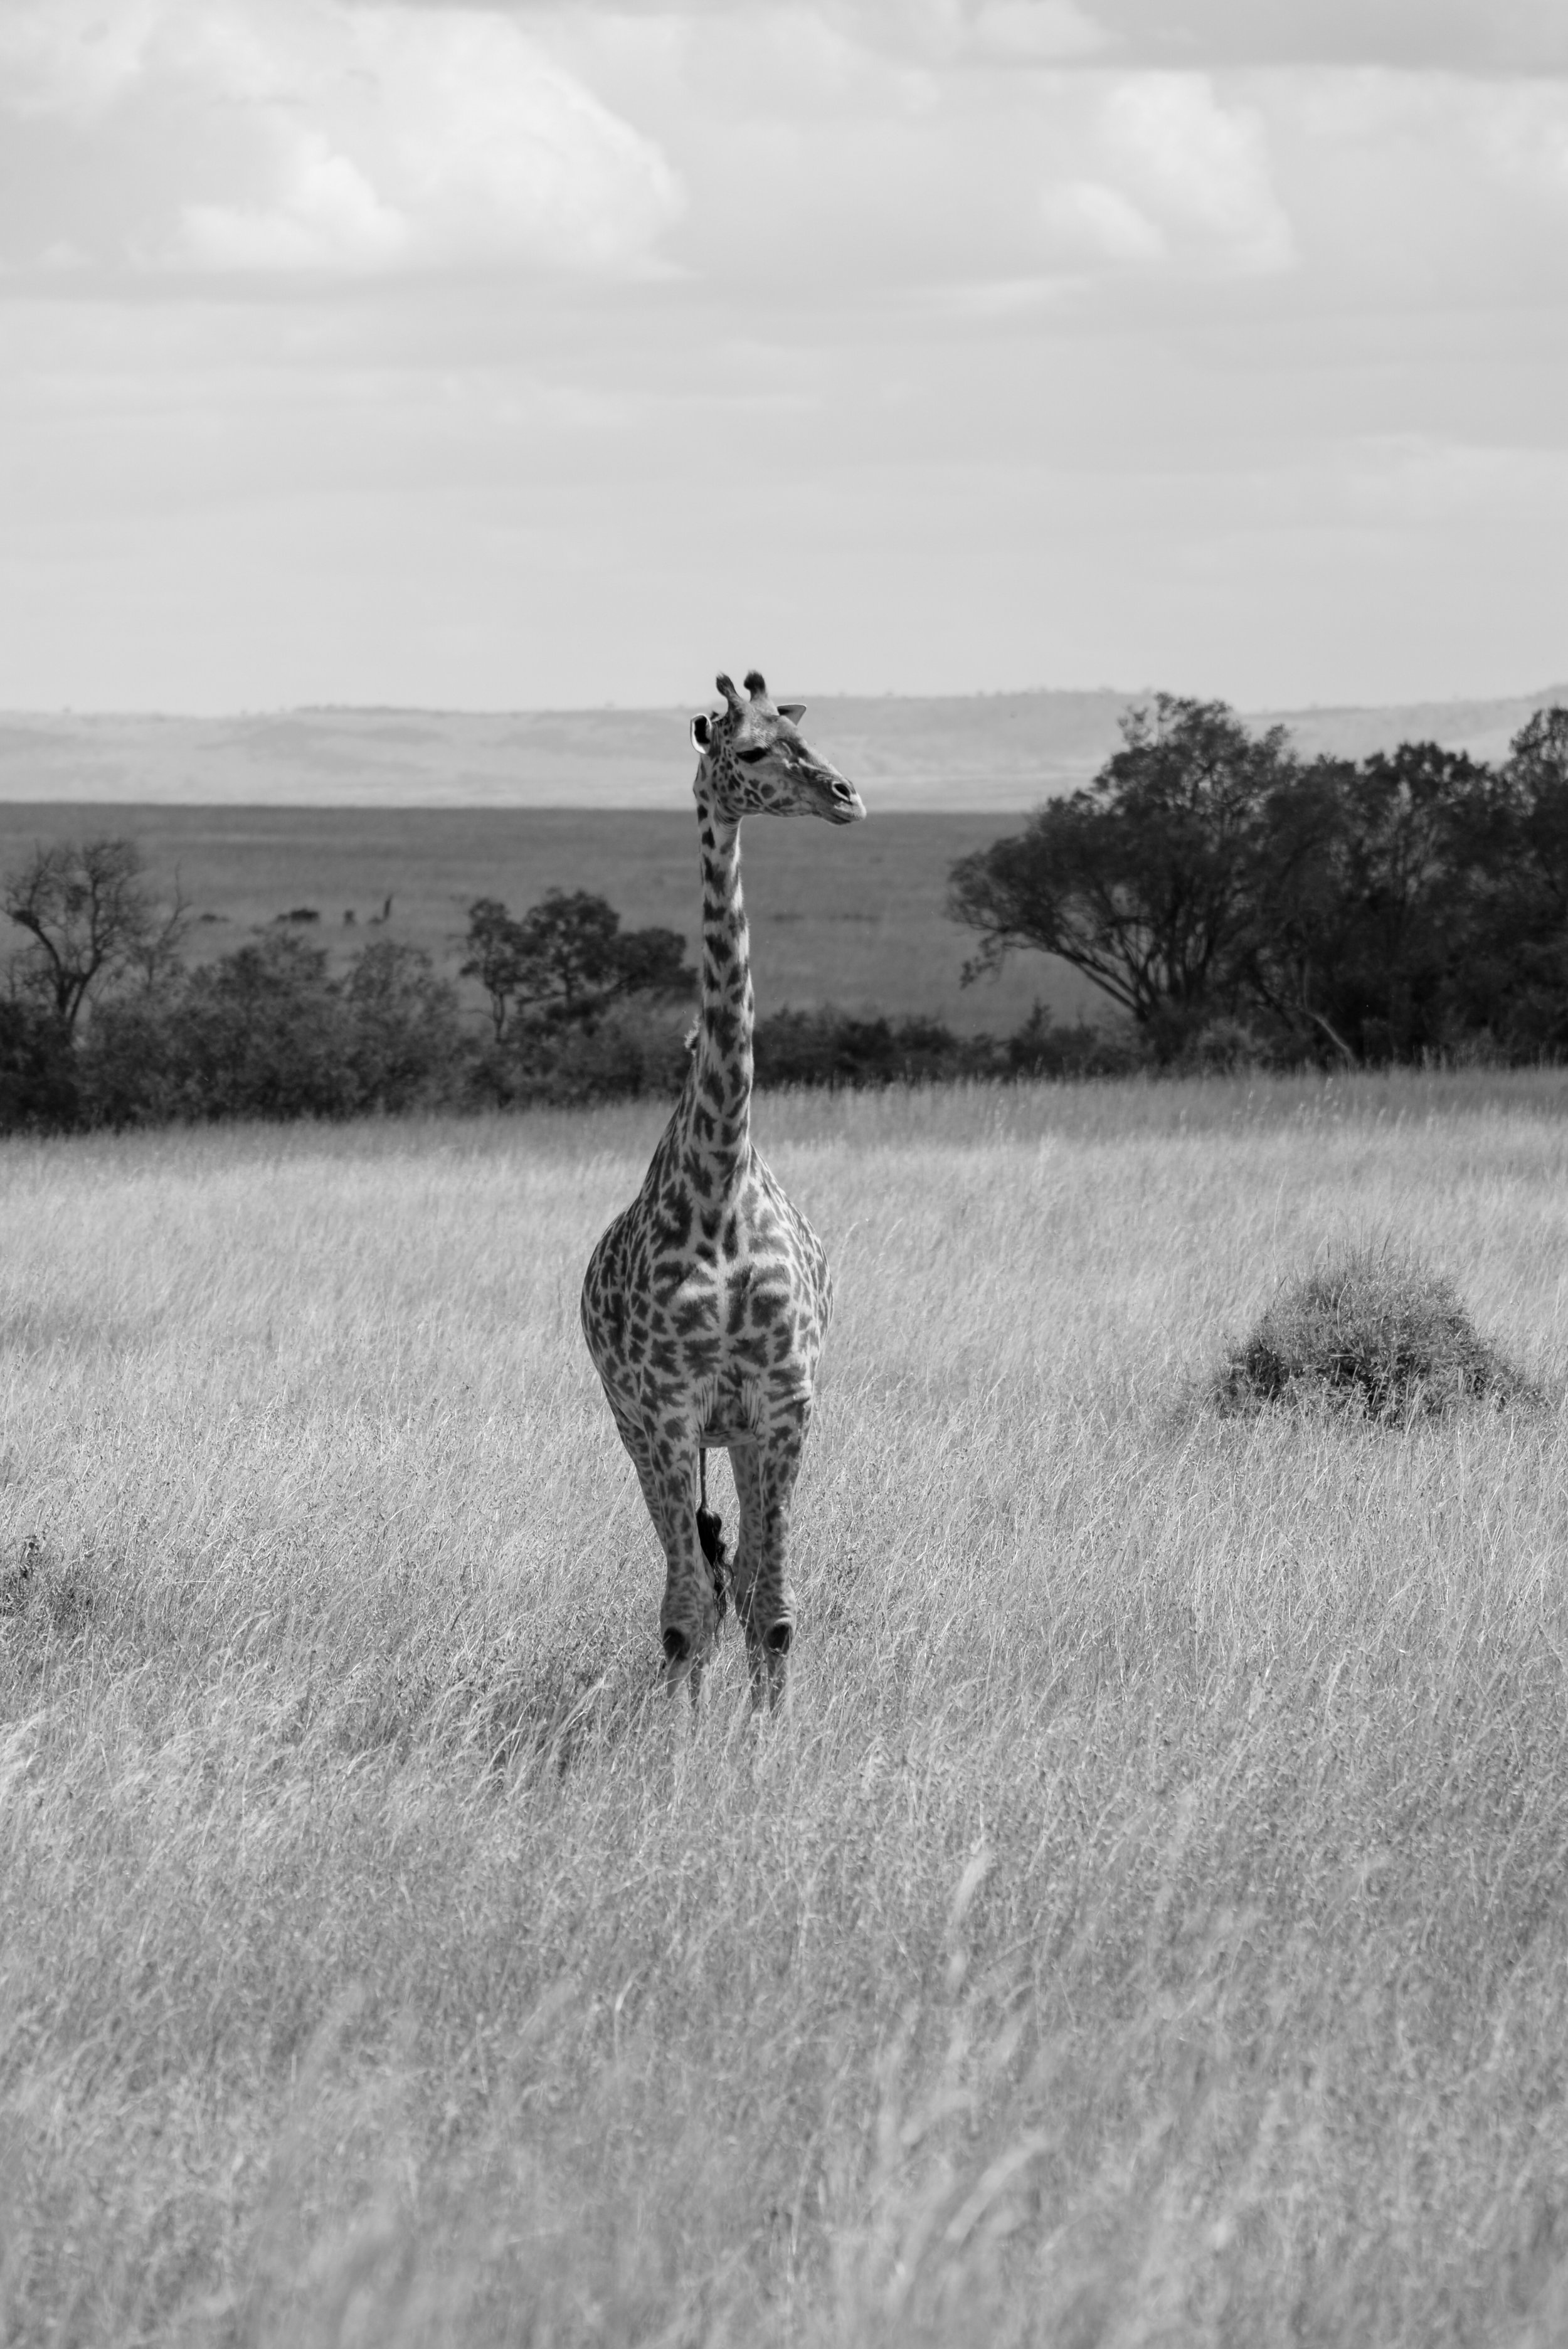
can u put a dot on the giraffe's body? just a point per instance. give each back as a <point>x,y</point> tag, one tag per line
<point>706,1303</point>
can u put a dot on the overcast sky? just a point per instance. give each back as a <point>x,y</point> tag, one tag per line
<point>520,356</point>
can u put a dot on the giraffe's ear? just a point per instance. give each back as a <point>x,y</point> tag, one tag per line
<point>793,711</point>
<point>702,732</point>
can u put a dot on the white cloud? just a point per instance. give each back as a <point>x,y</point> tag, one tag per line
<point>329,216</point>
<point>320,134</point>
<point>1101,221</point>
<point>1157,170</point>
<point>493,145</point>
<point>1523,131</point>
<point>834,147</point>
<point>1197,165</point>
<point>1429,181</point>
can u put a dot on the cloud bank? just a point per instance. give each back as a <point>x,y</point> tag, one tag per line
<point>848,144</point>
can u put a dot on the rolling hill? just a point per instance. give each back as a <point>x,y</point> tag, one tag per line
<point>984,753</point>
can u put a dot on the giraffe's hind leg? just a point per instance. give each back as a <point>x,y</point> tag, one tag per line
<point>748,1550</point>
<point>664,1457</point>
<point>689,1616</point>
<point>764,1473</point>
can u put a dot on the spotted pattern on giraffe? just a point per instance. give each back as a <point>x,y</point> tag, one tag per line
<point>706,1303</point>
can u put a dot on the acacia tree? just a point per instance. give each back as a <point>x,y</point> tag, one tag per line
<point>1146,882</point>
<point>1285,959</point>
<point>651,962</point>
<point>1525,966</point>
<point>570,941</point>
<point>567,955</point>
<point>1377,907</point>
<point>1536,776</point>
<point>1427,840</point>
<point>496,957</point>
<point>91,921</point>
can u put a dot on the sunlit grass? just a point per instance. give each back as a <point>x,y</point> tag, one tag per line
<point>1149,1921</point>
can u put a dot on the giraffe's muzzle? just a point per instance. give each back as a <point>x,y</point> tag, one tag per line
<point>843,802</point>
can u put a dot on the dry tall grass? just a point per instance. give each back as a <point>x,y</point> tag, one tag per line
<point>1149,1924</point>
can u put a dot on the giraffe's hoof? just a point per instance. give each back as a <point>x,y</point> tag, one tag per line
<point>778,1636</point>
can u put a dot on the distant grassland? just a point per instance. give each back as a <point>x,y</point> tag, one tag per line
<point>1147,1924</point>
<point>851,917</point>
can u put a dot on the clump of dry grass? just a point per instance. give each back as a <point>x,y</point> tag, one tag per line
<point>43,1598</point>
<point>1374,1331</point>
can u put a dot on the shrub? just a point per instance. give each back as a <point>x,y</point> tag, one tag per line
<point>128,1063</point>
<point>404,1043</point>
<point>1224,1047</point>
<point>1043,1048</point>
<point>829,1048</point>
<point>634,1048</point>
<point>38,1089</point>
<point>1372,1332</point>
<point>262,1034</point>
<point>267,1032</point>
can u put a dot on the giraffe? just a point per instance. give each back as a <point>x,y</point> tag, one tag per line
<point>705,1304</point>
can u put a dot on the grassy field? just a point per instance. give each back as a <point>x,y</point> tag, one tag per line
<point>852,917</point>
<point>1147,1924</point>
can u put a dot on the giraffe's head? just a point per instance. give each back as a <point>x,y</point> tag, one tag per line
<point>755,761</point>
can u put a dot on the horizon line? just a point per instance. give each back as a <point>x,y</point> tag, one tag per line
<point>670,709</point>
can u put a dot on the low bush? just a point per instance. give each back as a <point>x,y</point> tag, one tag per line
<point>39,1090</point>
<point>1228,1048</point>
<point>1373,1331</point>
<point>267,1032</point>
<point>830,1048</point>
<point>405,1045</point>
<point>637,1047</point>
<point>1043,1048</point>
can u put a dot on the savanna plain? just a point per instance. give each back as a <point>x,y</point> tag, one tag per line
<point>1147,1922</point>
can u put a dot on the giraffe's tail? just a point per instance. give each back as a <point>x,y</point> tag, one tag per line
<point>716,1549</point>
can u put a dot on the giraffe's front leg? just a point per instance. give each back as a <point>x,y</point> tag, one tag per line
<point>764,1473</point>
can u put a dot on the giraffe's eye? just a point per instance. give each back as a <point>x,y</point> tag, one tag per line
<point>751,757</point>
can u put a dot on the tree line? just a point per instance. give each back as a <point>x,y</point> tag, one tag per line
<point>105,1022</point>
<point>1229,896</point>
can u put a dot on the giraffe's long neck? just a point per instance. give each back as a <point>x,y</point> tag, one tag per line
<point>718,1092</point>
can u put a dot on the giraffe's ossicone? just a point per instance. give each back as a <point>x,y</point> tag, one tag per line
<point>706,1303</point>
